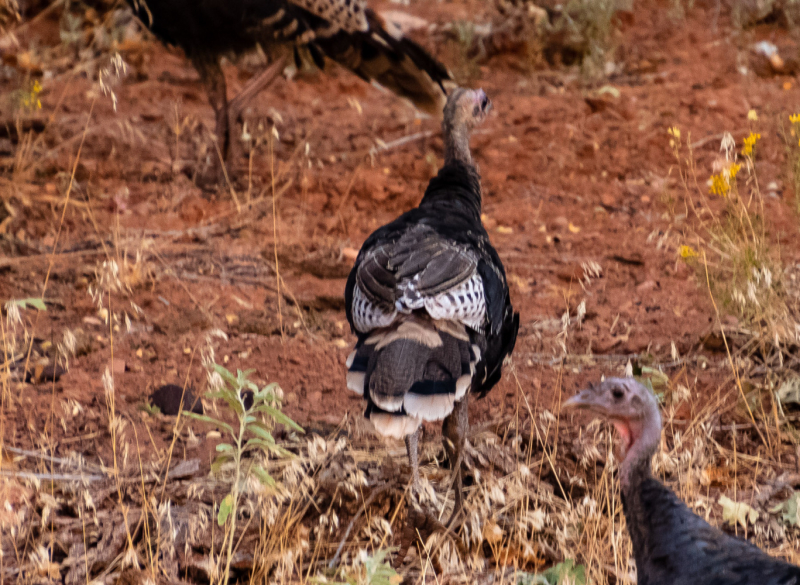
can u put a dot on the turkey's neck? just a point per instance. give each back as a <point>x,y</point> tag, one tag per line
<point>456,143</point>
<point>644,437</point>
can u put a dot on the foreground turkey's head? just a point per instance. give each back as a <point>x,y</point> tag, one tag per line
<point>466,107</point>
<point>624,402</point>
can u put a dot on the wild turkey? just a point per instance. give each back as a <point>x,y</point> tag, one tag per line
<point>346,31</point>
<point>429,302</point>
<point>671,544</point>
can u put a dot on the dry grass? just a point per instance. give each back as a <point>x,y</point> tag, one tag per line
<point>542,490</point>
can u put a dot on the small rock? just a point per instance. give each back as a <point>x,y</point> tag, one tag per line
<point>350,254</point>
<point>118,366</point>
<point>45,373</point>
<point>608,200</point>
<point>731,321</point>
<point>646,286</point>
<point>332,419</point>
<point>247,399</point>
<point>571,273</point>
<point>315,397</point>
<point>168,399</point>
<point>371,184</point>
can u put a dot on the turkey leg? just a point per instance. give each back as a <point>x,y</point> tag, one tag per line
<point>252,88</point>
<point>454,431</point>
<point>214,79</point>
<point>412,447</point>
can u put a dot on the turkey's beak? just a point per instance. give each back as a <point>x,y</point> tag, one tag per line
<point>583,400</point>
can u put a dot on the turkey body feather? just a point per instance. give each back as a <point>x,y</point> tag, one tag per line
<point>433,264</point>
<point>429,302</point>
<point>346,31</point>
<point>674,546</point>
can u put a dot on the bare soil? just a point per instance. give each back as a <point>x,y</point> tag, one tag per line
<point>571,177</point>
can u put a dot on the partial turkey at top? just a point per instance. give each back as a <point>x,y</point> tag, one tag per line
<point>671,544</point>
<point>346,31</point>
<point>429,302</point>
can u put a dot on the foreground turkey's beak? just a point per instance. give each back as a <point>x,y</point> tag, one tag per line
<point>583,399</point>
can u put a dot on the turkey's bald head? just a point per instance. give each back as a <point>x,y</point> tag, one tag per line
<point>466,108</point>
<point>625,403</point>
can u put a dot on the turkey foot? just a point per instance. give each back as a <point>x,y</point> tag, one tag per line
<point>454,431</point>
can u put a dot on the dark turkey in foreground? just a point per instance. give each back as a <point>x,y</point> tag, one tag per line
<point>671,544</point>
<point>429,301</point>
<point>346,31</point>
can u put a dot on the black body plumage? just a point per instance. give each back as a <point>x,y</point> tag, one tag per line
<point>446,225</point>
<point>209,29</point>
<point>674,546</point>
<point>346,31</point>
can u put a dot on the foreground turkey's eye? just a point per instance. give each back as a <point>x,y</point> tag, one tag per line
<point>484,102</point>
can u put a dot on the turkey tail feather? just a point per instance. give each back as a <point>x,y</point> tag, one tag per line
<point>396,62</point>
<point>414,370</point>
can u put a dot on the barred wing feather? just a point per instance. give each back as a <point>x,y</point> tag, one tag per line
<point>420,270</point>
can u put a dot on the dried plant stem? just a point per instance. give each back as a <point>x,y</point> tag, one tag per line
<point>371,498</point>
<point>113,424</point>
<point>730,357</point>
<point>231,533</point>
<point>58,233</point>
<point>275,229</point>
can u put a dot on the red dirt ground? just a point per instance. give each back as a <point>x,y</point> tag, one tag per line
<point>566,182</point>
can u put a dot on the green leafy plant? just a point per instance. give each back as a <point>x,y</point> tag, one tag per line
<point>566,573</point>
<point>373,569</point>
<point>36,303</point>
<point>255,423</point>
<point>789,510</point>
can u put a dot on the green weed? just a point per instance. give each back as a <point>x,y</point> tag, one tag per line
<point>257,411</point>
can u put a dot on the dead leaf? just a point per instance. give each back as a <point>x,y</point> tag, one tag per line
<point>492,533</point>
<point>520,283</point>
<point>737,512</point>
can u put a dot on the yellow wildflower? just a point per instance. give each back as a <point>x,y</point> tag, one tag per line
<point>749,143</point>
<point>718,185</point>
<point>687,252</point>
<point>794,118</point>
<point>675,132</point>
<point>721,184</point>
<point>30,100</point>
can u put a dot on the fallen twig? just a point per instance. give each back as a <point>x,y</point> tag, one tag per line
<point>371,498</point>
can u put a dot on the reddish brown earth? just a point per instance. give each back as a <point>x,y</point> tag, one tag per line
<point>566,182</point>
